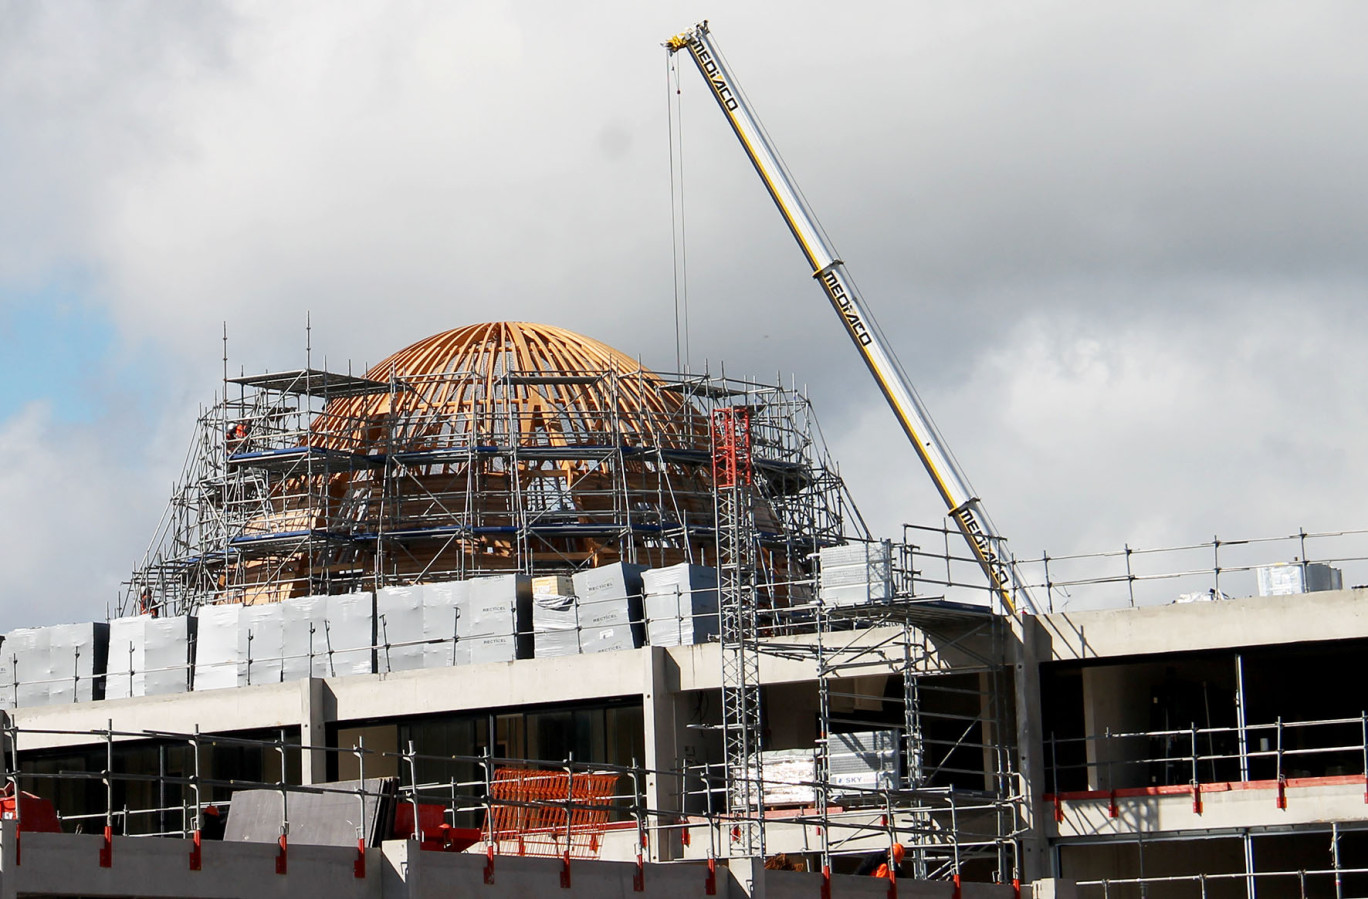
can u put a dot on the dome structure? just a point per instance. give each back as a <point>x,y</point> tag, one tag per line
<point>525,384</point>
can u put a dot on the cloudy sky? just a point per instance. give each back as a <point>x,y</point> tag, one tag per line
<point>1119,247</point>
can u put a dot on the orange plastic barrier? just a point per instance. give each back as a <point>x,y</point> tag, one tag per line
<point>548,813</point>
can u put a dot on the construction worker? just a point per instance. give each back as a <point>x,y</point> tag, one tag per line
<point>876,863</point>
<point>236,436</point>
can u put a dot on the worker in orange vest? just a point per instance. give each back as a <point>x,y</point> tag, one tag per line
<point>876,863</point>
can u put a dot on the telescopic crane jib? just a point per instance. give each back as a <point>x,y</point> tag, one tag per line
<point>965,508</point>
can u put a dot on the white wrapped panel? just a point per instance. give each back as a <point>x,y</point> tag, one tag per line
<point>216,646</point>
<point>304,643</point>
<point>76,656</point>
<point>166,655</point>
<point>261,644</point>
<point>127,663</point>
<point>7,685</point>
<point>496,606</point>
<point>30,666</point>
<point>481,649</point>
<point>442,604</point>
<point>555,625</point>
<point>399,629</point>
<point>680,604</point>
<point>856,573</point>
<point>610,608</point>
<point>349,631</point>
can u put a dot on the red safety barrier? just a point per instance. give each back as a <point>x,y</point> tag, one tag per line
<point>549,813</point>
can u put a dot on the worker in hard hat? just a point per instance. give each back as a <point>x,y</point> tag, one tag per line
<point>876,863</point>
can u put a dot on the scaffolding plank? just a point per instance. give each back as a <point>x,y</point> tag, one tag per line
<point>313,382</point>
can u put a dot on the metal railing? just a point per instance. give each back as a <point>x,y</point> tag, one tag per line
<point>1193,756</point>
<point>1132,576</point>
<point>570,824</point>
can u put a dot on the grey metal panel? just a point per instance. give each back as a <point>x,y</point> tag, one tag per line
<point>304,642</point>
<point>441,605</point>
<point>216,646</point>
<point>399,629</point>
<point>680,604</point>
<point>611,612</point>
<point>261,644</point>
<point>350,635</point>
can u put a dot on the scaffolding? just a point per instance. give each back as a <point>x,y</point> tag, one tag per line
<point>310,482</point>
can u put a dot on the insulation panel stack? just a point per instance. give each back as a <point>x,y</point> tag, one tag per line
<point>555,617</point>
<point>148,656</point>
<point>494,620</point>
<point>610,610</point>
<point>55,665</point>
<point>856,573</point>
<point>681,604</point>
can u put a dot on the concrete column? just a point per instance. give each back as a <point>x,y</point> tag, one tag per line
<point>660,686</point>
<point>1023,654</point>
<point>9,829</point>
<point>316,708</point>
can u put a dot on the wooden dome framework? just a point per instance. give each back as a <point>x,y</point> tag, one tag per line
<point>501,446</point>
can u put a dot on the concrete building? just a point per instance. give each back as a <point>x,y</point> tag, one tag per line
<point>406,584</point>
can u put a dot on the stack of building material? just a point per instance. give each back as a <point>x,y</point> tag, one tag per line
<point>349,636</point>
<point>148,656</point>
<point>789,777</point>
<point>303,632</point>
<point>555,617</point>
<point>494,623</point>
<point>856,573</point>
<point>217,661</point>
<point>610,610</point>
<point>399,628</point>
<point>680,604</point>
<point>54,665</point>
<point>442,604</point>
<point>261,644</point>
<point>865,760</point>
<point>328,818</point>
<point>1287,579</point>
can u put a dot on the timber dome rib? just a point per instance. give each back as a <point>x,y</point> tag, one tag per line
<point>524,446</point>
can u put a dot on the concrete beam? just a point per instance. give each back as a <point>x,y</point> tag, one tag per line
<point>1185,627</point>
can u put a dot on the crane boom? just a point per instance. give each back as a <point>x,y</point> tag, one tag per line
<point>965,508</point>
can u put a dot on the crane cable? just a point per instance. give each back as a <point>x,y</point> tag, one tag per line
<point>679,256</point>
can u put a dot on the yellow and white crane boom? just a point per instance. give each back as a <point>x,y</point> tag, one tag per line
<point>965,508</point>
